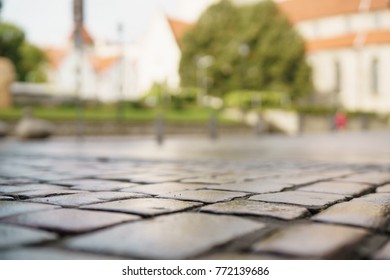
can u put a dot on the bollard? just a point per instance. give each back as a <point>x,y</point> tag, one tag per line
<point>213,126</point>
<point>258,125</point>
<point>159,126</point>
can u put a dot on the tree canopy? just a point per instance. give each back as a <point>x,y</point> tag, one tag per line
<point>253,47</point>
<point>28,59</point>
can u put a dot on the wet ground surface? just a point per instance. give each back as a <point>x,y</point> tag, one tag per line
<point>271,197</point>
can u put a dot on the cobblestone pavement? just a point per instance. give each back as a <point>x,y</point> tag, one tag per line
<point>309,197</point>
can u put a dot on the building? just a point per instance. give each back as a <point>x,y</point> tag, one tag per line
<point>348,47</point>
<point>347,43</point>
<point>112,72</point>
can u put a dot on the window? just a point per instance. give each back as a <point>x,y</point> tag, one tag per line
<point>375,76</point>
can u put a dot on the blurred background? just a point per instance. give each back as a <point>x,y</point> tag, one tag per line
<point>179,66</point>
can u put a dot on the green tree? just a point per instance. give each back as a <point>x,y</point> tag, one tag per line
<point>254,48</point>
<point>28,59</point>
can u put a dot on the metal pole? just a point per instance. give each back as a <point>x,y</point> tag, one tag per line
<point>80,109</point>
<point>160,121</point>
<point>120,111</point>
<point>256,104</point>
<point>1,6</point>
<point>213,125</point>
<point>78,14</point>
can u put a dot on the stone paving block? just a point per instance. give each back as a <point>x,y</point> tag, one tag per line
<point>5,197</point>
<point>9,208</point>
<point>251,207</point>
<point>384,189</point>
<point>374,178</point>
<point>381,198</point>
<point>300,180</point>
<point>211,180</point>
<point>70,220</point>
<point>163,188</point>
<point>335,187</point>
<point>148,178</point>
<point>45,192</point>
<point>319,241</point>
<point>144,206</point>
<point>11,236</point>
<point>207,196</point>
<point>239,256</point>
<point>74,200</point>
<point>94,185</point>
<point>356,212</point>
<point>306,199</point>
<point>48,253</point>
<point>16,181</point>
<point>261,186</point>
<point>27,188</point>
<point>176,236</point>
<point>383,253</point>
<point>50,176</point>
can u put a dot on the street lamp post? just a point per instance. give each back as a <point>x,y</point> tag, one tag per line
<point>204,62</point>
<point>243,51</point>
<point>121,71</point>
<point>1,6</point>
<point>78,17</point>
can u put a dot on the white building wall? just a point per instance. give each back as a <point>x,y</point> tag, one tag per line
<point>159,57</point>
<point>356,78</point>
<point>66,75</point>
<point>344,24</point>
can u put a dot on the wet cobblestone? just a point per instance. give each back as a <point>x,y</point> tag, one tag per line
<point>307,199</point>
<point>257,208</point>
<point>74,200</point>
<point>268,198</point>
<point>139,239</point>
<point>144,206</point>
<point>12,236</point>
<point>69,220</point>
<point>311,240</point>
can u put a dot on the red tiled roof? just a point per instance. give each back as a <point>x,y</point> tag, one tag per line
<point>102,63</point>
<point>300,10</point>
<point>178,28</point>
<point>55,56</point>
<point>87,38</point>
<point>350,40</point>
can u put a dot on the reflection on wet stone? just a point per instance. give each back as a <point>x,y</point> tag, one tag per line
<point>307,199</point>
<point>9,208</point>
<point>70,220</point>
<point>356,212</point>
<point>250,207</point>
<point>144,206</point>
<point>175,233</point>
<point>335,187</point>
<point>85,198</point>
<point>311,240</point>
<point>383,253</point>
<point>384,189</point>
<point>158,189</point>
<point>28,253</point>
<point>261,186</point>
<point>207,196</point>
<point>117,206</point>
<point>11,236</point>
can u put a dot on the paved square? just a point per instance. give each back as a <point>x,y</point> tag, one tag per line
<point>324,196</point>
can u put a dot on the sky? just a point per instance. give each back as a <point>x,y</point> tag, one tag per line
<point>49,22</point>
